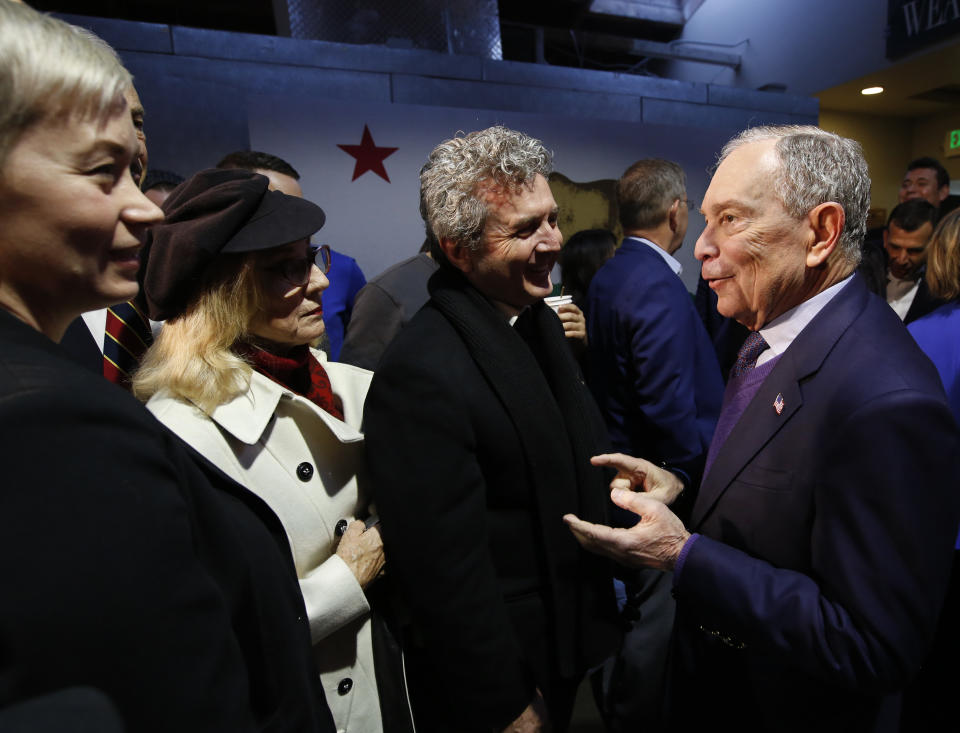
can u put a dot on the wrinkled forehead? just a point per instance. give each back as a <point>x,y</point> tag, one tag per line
<point>917,174</point>
<point>497,194</point>
<point>747,174</point>
<point>916,238</point>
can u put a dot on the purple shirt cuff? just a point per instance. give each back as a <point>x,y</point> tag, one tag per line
<point>682,558</point>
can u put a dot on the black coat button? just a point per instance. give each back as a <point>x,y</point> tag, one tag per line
<point>304,471</point>
<point>346,684</point>
<point>341,527</point>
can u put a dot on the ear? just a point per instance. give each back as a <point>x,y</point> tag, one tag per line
<point>672,216</point>
<point>458,255</point>
<point>943,192</point>
<point>826,224</point>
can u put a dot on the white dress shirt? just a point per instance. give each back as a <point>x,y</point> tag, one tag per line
<point>782,330</point>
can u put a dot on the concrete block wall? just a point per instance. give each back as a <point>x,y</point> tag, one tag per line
<point>207,93</point>
<point>194,83</point>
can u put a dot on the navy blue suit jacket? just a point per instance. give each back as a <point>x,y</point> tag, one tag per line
<point>812,594</point>
<point>652,368</point>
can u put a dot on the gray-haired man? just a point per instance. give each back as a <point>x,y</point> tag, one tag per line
<point>479,434</point>
<point>809,587</point>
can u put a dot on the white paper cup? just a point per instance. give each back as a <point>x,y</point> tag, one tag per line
<point>555,301</point>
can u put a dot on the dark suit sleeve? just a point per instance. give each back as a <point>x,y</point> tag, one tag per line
<point>431,498</point>
<point>376,319</point>
<point>883,523</point>
<point>102,584</point>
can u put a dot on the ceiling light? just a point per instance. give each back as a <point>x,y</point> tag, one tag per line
<point>871,90</point>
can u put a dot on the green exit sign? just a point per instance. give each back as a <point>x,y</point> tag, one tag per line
<point>952,146</point>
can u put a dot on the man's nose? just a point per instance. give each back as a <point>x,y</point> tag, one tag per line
<point>704,247</point>
<point>551,241</point>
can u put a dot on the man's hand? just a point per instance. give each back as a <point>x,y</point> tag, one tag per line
<point>653,542</point>
<point>636,474</point>
<point>574,323</point>
<point>533,719</point>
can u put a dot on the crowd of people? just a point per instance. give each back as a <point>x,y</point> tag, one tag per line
<point>735,511</point>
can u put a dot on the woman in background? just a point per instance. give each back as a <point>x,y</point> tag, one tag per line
<point>233,274</point>
<point>938,334</point>
<point>582,255</point>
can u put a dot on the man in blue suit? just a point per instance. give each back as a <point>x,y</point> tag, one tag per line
<point>652,368</point>
<point>655,376</point>
<point>809,583</point>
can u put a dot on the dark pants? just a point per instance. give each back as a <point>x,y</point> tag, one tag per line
<point>930,702</point>
<point>629,686</point>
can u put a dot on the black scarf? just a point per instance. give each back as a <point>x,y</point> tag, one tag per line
<point>531,370</point>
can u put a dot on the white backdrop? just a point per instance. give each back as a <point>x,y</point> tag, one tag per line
<point>378,222</point>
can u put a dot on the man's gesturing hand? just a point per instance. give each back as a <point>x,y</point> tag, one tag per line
<point>636,474</point>
<point>653,542</point>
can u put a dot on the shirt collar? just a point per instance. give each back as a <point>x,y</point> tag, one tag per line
<point>247,416</point>
<point>667,257</point>
<point>781,331</point>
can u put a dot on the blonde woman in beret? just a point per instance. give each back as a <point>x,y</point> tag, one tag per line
<point>233,274</point>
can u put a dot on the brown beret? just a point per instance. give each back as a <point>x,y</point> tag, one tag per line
<point>216,211</point>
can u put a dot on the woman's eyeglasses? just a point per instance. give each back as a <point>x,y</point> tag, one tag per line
<point>296,272</point>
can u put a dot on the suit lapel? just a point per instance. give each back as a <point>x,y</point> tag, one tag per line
<point>760,422</point>
<point>756,426</point>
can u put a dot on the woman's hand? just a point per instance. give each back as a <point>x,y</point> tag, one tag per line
<point>533,719</point>
<point>362,550</point>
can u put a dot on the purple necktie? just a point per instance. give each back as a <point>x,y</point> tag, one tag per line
<point>747,356</point>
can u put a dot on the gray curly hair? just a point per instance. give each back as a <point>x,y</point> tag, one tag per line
<point>817,166</point>
<point>460,171</point>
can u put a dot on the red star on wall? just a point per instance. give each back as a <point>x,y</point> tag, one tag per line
<point>369,156</point>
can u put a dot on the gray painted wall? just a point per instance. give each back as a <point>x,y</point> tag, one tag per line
<point>210,92</point>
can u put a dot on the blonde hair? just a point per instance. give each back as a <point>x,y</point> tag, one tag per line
<point>193,357</point>
<point>49,68</point>
<point>943,258</point>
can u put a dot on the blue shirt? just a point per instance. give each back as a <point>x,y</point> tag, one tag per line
<point>346,279</point>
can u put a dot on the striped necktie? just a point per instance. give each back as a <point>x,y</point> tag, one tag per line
<point>127,337</point>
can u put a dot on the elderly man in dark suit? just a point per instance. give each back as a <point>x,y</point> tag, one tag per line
<point>809,588</point>
<point>479,433</point>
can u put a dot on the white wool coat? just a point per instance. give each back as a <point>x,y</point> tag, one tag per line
<point>304,463</point>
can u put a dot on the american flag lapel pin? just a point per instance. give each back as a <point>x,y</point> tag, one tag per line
<point>778,403</point>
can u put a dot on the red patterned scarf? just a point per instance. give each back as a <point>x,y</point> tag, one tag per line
<point>298,371</point>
